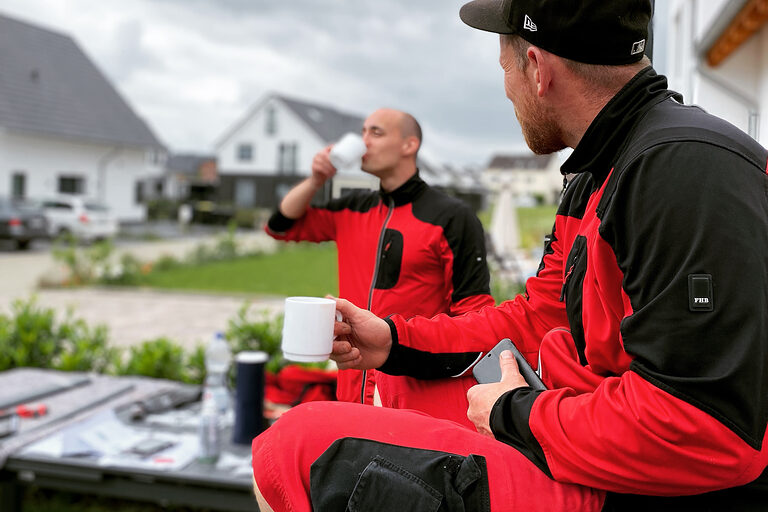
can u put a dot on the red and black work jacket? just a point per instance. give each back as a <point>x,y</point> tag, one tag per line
<point>415,251</point>
<point>648,316</point>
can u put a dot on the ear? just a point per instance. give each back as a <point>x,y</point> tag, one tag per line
<point>410,146</point>
<point>541,65</point>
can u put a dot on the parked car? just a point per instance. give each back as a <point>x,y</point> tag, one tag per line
<point>81,218</point>
<point>22,222</point>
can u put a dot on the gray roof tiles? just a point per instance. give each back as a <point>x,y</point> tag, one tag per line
<point>329,123</point>
<point>49,86</point>
<point>186,163</point>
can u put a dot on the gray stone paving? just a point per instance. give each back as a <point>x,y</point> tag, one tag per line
<point>132,315</point>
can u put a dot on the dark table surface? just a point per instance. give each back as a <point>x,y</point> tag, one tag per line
<point>138,407</point>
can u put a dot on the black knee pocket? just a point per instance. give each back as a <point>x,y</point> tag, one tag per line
<point>359,475</point>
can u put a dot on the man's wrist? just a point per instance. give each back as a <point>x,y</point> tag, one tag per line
<point>316,182</point>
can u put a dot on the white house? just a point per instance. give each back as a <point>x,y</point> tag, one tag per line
<point>718,59</point>
<point>526,176</point>
<point>63,126</point>
<point>271,149</point>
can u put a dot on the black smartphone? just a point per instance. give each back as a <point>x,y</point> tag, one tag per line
<point>488,369</point>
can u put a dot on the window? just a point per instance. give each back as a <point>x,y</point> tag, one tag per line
<point>270,126</point>
<point>245,152</point>
<point>18,185</point>
<point>71,185</point>
<point>138,192</point>
<point>287,158</point>
<point>245,193</point>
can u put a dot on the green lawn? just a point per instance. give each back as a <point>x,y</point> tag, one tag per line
<point>295,269</point>
<point>304,268</point>
<point>535,223</point>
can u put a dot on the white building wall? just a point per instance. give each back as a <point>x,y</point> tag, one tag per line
<point>289,129</point>
<point>732,90</point>
<point>43,160</point>
<point>762,86</point>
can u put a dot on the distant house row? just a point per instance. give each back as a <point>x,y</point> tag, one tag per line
<point>271,148</point>
<point>64,129</point>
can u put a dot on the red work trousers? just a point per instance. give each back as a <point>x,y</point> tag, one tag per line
<point>283,454</point>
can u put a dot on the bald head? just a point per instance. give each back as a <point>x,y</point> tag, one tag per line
<point>403,122</point>
<point>409,126</point>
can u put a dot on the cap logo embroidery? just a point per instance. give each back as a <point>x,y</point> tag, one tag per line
<point>528,24</point>
<point>638,47</point>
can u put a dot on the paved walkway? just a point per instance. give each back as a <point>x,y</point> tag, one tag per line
<point>132,315</point>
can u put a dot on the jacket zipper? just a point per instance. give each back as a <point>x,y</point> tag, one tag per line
<point>391,206</point>
<point>568,274</point>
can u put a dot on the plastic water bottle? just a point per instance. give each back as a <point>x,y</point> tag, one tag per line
<point>218,357</point>
<point>216,404</point>
<point>209,433</point>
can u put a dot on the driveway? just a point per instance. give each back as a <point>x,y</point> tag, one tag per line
<point>132,315</point>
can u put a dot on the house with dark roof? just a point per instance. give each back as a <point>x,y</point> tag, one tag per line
<point>271,147</point>
<point>64,128</point>
<point>530,178</point>
<point>187,177</point>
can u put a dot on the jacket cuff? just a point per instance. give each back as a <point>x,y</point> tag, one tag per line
<point>424,365</point>
<point>279,223</point>
<point>392,362</point>
<point>509,423</point>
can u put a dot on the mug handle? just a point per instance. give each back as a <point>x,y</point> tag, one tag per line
<point>339,318</point>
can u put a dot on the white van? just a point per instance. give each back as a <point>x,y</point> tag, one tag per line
<point>84,219</point>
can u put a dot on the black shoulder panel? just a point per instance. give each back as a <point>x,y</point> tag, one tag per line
<point>690,200</point>
<point>358,201</point>
<point>466,238</point>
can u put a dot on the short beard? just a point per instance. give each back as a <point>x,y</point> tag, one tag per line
<point>542,135</point>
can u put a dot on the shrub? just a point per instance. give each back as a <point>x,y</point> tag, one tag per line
<point>83,348</point>
<point>260,331</point>
<point>31,337</point>
<point>159,358</point>
<point>162,209</point>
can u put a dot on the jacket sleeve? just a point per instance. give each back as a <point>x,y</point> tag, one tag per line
<point>686,222</point>
<point>465,258</point>
<point>445,346</point>
<point>317,225</point>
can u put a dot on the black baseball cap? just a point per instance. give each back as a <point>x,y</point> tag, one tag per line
<point>610,32</point>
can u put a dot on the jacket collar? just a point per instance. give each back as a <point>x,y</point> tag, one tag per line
<point>597,151</point>
<point>405,193</point>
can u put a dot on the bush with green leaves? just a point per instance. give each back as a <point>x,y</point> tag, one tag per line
<point>160,358</point>
<point>31,337</point>
<point>259,330</point>
<point>84,264</point>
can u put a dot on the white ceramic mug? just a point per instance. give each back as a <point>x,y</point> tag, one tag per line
<point>348,152</point>
<point>308,328</point>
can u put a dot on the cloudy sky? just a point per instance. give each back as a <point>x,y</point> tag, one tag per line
<point>192,68</point>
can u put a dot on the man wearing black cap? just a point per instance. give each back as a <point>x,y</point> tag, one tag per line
<point>647,319</point>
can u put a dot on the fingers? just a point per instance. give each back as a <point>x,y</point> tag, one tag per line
<point>346,308</point>
<point>511,377</point>
<point>345,355</point>
<point>340,329</point>
<point>322,169</point>
<point>508,365</point>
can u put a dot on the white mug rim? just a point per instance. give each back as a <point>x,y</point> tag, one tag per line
<point>309,300</point>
